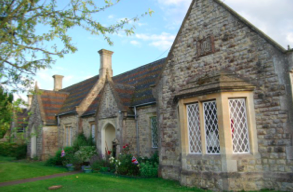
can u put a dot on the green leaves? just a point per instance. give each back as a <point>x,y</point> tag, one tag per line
<point>23,47</point>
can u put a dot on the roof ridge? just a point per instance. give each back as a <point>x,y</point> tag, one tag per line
<point>77,83</point>
<point>140,67</point>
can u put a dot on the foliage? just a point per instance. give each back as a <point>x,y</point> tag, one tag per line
<point>13,150</point>
<point>58,160</point>
<point>148,170</point>
<point>85,153</point>
<point>81,140</point>
<point>126,166</point>
<point>103,165</point>
<point>29,28</point>
<point>5,111</point>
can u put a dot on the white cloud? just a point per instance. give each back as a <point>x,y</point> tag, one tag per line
<point>162,41</point>
<point>135,43</point>
<point>111,16</point>
<point>273,17</point>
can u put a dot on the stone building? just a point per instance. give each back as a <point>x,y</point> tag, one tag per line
<point>114,111</point>
<point>218,109</point>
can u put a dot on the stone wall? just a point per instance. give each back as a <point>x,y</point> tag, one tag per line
<point>67,120</point>
<point>129,131</point>
<point>86,125</point>
<point>145,133</point>
<point>50,141</point>
<point>35,121</point>
<point>241,49</point>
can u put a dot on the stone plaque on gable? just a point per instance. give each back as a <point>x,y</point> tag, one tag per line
<point>205,46</point>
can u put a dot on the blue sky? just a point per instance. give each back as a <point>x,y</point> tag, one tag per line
<point>154,35</point>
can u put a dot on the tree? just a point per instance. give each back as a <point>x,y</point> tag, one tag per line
<point>5,111</point>
<point>23,50</point>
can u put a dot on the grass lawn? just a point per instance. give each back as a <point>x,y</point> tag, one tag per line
<point>10,171</point>
<point>99,182</point>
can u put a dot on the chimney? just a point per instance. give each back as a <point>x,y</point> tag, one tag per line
<point>106,63</point>
<point>29,101</point>
<point>57,82</point>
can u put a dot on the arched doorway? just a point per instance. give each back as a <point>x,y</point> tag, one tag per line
<point>108,136</point>
<point>33,143</point>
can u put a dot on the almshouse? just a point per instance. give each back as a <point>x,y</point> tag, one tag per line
<point>219,108</point>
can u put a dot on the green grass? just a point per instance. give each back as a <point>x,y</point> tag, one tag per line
<point>100,182</point>
<point>5,159</point>
<point>10,171</point>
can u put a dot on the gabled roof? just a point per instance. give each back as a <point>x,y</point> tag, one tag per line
<point>133,87</point>
<point>52,101</point>
<point>77,93</point>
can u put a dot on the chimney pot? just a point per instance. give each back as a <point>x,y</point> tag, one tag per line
<point>57,82</point>
<point>106,63</point>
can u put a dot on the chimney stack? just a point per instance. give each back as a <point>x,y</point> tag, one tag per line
<point>29,101</point>
<point>57,82</point>
<point>106,63</point>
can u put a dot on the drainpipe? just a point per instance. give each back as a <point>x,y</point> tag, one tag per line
<point>137,132</point>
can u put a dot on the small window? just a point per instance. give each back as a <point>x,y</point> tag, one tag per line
<point>211,127</point>
<point>239,128</point>
<point>68,135</point>
<point>154,132</point>
<point>193,123</point>
<point>93,132</point>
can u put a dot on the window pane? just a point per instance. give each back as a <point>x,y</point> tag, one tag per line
<point>211,127</point>
<point>93,133</point>
<point>154,132</point>
<point>238,122</point>
<point>193,123</point>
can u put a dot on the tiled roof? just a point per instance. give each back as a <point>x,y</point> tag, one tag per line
<point>133,87</point>
<point>141,78</point>
<point>52,102</point>
<point>22,118</point>
<point>77,93</point>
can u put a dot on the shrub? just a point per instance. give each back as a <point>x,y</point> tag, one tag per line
<point>126,166</point>
<point>13,150</point>
<point>58,160</point>
<point>103,165</point>
<point>148,170</point>
<point>81,140</point>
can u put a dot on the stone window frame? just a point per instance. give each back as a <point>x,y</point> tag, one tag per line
<point>222,101</point>
<point>94,137</point>
<point>70,141</point>
<point>150,122</point>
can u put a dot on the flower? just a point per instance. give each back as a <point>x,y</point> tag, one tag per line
<point>124,147</point>
<point>109,152</point>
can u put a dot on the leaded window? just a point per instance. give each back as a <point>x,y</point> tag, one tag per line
<point>211,127</point>
<point>68,135</point>
<point>239,128</point>
<point>154,129</point>
<point>93,132</point>
<point>193,123</point>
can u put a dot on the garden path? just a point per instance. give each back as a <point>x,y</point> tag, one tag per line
<point>37,178</point>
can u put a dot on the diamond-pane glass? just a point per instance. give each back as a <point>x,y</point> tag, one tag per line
<point>211,127</point>
<point>238,122</point>
<point>154,132</point>
<point>193,123</point>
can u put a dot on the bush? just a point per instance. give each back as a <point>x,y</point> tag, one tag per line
<point>81,140</point>
<point>103,166</point>
<point>13,150</point>
<point>58,160</point>
<point>126,166</point>
<point>148,170</point>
